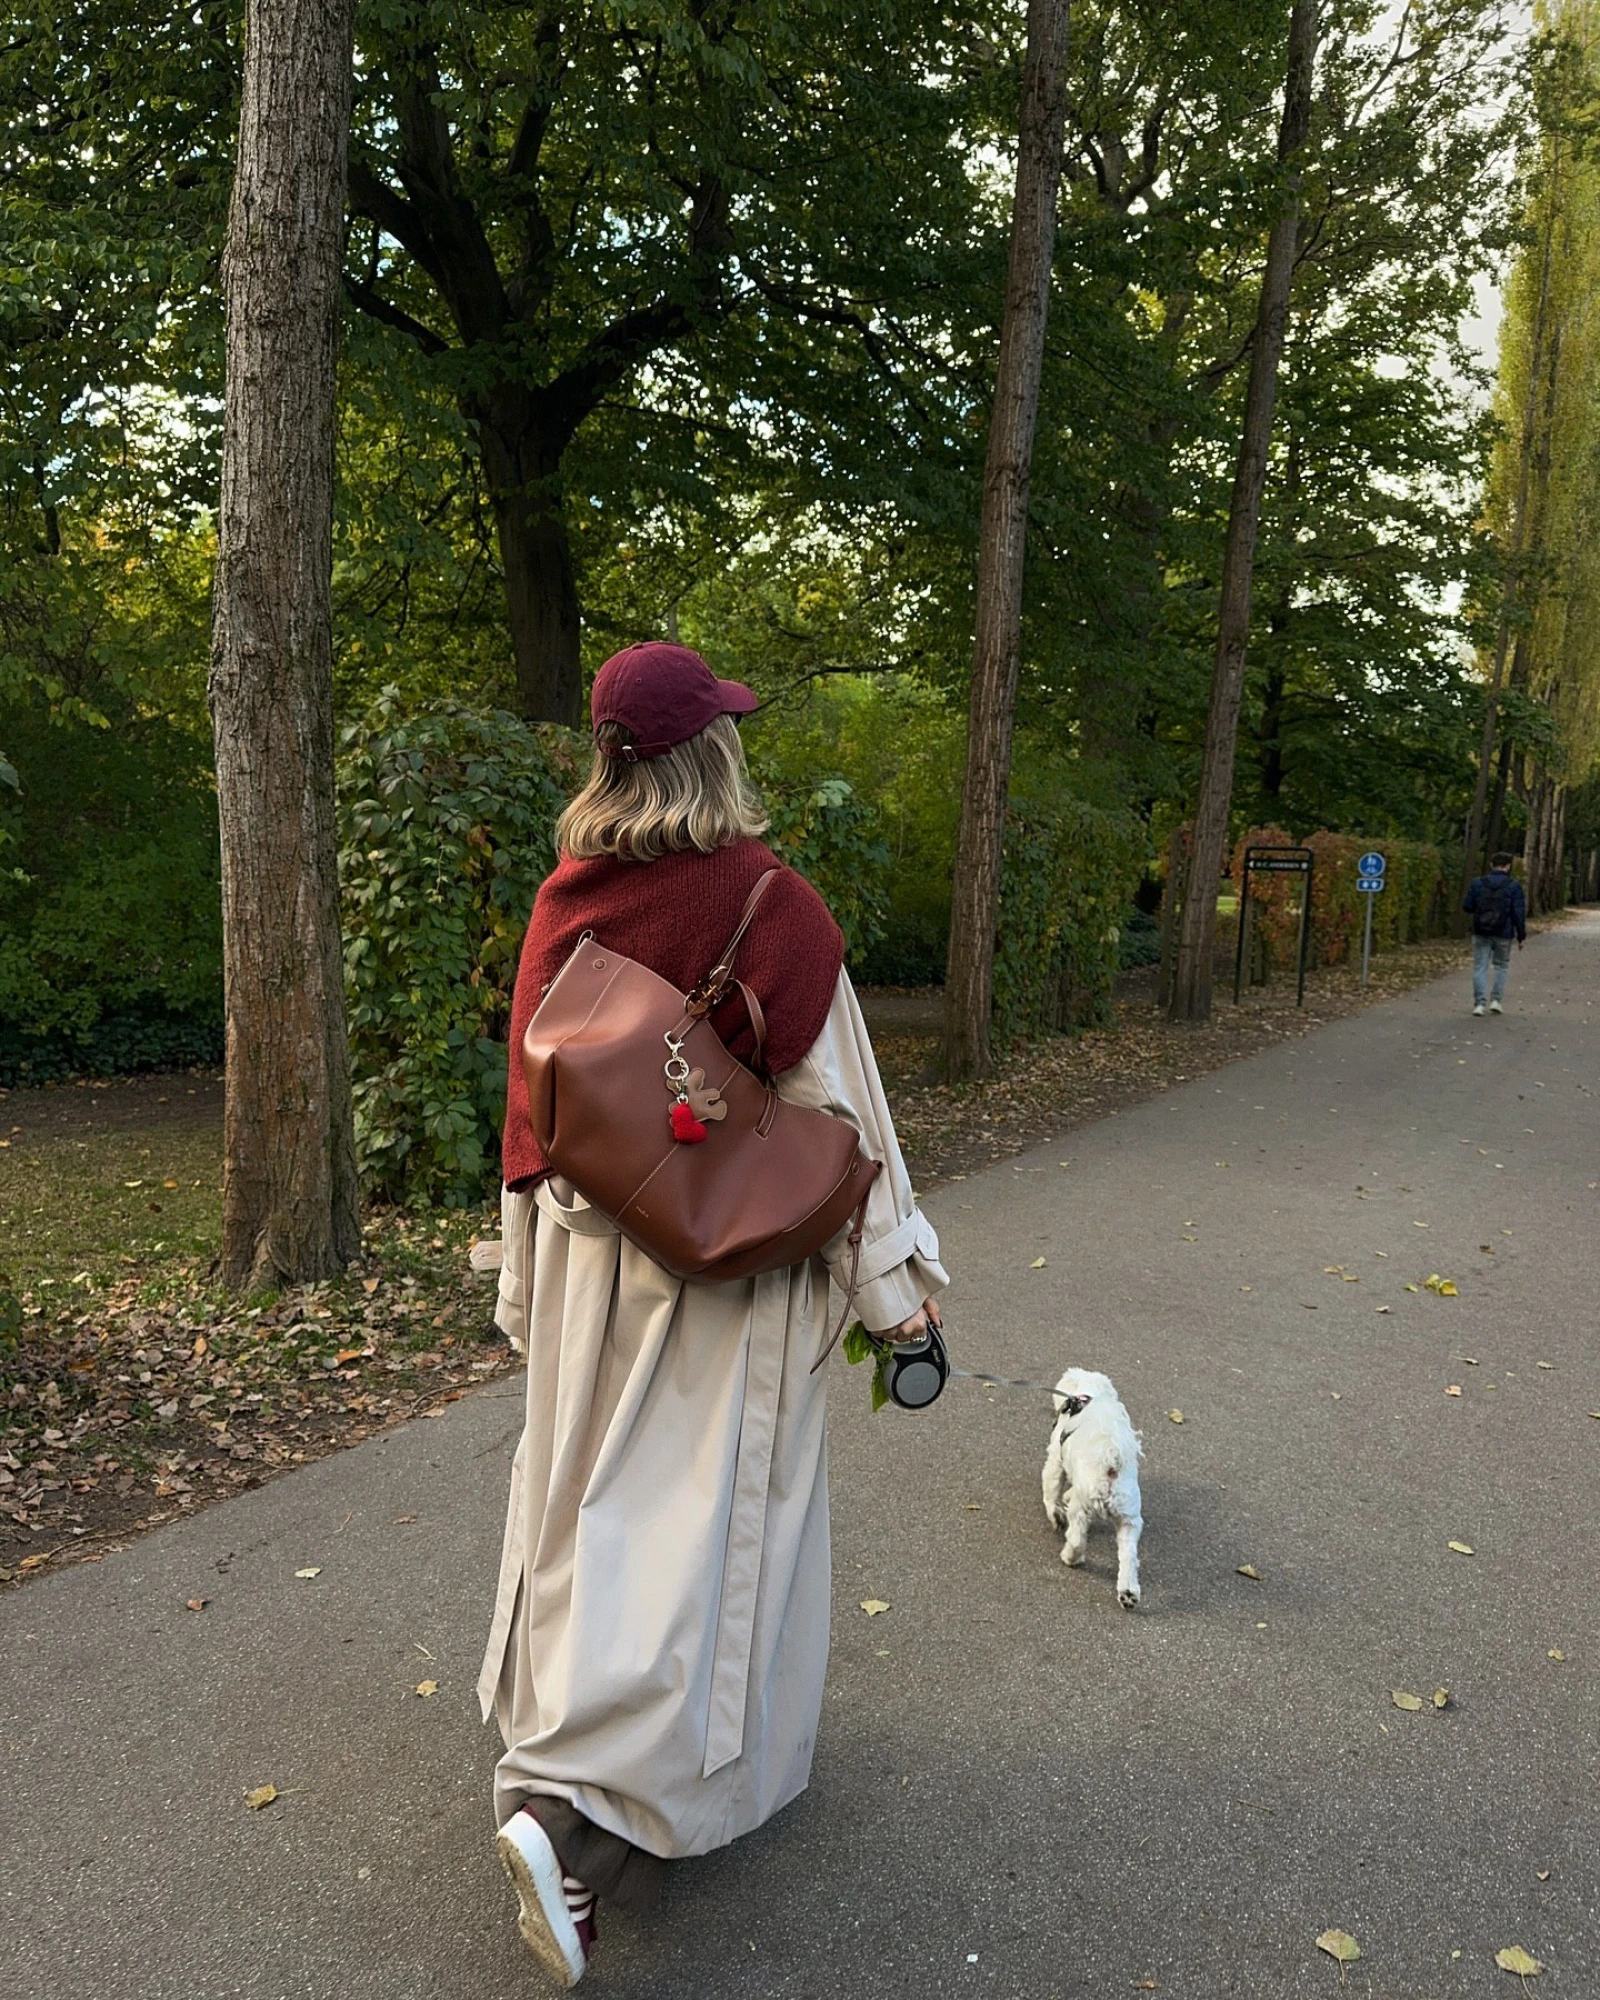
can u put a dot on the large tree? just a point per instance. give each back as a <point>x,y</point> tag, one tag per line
<point>570,210</point>
<point>1002,545</point>
<point>1191,992</point>
<point>290,1201</point>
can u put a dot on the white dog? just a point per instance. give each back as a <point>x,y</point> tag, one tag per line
<point>1091,1473</point>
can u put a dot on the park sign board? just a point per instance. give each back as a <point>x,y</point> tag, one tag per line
<point>1275,861</point>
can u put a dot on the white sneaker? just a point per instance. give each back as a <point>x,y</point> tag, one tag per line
<point>1479,1008</point>
<point>1494,1006</point>
<point>545,1921</point>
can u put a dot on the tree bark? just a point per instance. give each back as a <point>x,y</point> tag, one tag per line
<point>1191,989</point>
<point>290,1202</point>
<point>1002,545</point>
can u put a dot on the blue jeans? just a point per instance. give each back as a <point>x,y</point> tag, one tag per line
<point>1483,950</point>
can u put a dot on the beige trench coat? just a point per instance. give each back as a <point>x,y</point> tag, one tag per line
<point>660,1636</point>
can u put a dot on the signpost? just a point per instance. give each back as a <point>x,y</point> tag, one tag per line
<point>1369,878</point>
<point>1275,861</point>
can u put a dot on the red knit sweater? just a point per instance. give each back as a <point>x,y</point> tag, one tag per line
<point>675,915</point>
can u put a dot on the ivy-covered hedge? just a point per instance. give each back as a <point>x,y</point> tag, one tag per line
<point>446,821</point>
<point>1069,875</point>
<point>1414,903</point>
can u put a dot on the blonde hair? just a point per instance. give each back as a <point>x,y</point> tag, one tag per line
<point>698,794</point>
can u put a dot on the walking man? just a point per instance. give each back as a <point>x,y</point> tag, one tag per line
<point>1499,913</point>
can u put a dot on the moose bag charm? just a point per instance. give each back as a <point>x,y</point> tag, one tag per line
<point>732,1180</point>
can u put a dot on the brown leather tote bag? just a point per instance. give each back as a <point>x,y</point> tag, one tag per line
<point>619,1063</point>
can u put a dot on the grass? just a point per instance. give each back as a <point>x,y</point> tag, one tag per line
<point>74,1208</point>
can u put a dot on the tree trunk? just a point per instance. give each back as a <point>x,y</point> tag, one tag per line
<point>1191,991</point>
<point>525,489</point>
<point>290,1205</point>
<point>1002,545</point>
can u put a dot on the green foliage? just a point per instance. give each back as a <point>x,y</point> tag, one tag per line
<point>1069,875</point>
<point>859,1345</point>
<point>110,932</point>
<point>446,822</point>
<point>836,841</point>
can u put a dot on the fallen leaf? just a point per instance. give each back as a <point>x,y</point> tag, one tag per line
<point>263,1795</point>
<point>1413,1288</point>
<point>1411,1703</point>
<point>1448,1290</point>
<point>196,1603</point>
<point>1441,1697</point>
<point>1463,1548</point>
<point>1383,1309</point>
<point>1249,1570</point>
<point>1419,1225</point>
<point>1512,1958</point>
<point>873,1605</point>
<point>401,1520</point>
<point>370,1285</point>
<point>1556,1653</point>
<point>1541,1874</point>
<point>1037,1264</point>
<point>1350,1277</point>
<point>1174,1416</point>
<point>1546,1364</point>
<point>1454,1389</point>
<point>348,1354</point>
<point>427,1687</point>
<point>315,1570</point>
<point>1340,1945</point>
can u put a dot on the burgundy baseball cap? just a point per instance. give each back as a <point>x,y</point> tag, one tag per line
<point>664,694</point>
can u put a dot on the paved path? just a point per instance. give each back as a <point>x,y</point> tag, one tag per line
<point>1020,1790</point>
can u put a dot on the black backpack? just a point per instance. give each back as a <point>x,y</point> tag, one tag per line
<point>1494,905</point>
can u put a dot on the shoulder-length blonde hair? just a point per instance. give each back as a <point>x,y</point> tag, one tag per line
<point>698,794</point>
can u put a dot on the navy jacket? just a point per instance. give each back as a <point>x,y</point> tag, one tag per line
<point>1516,923</point>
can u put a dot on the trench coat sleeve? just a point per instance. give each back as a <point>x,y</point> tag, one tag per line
<point>516,1240</point>
<point>899,1252</point>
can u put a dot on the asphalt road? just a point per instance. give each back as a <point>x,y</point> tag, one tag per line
<point>1020,1789</point>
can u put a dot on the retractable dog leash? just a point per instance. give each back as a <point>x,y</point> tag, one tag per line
<point>915,1375</point>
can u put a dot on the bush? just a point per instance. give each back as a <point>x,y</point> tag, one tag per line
<point>1414,903</point>
<point>836,841</point>
<point>1069,874</point>
<point>110,923</point>
<point>446,831</point>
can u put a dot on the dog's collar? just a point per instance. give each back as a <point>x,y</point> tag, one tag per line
<point>1074,1406</point>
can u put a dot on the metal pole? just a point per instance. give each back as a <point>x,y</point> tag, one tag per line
<point>1305,931</point>
<point>1244,912</point>
<point>1366,942</point>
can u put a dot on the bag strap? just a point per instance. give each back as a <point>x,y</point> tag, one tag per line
<point>709,991</point>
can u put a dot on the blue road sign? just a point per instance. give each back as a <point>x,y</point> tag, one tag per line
<point>1370,864</point>
<point>1371,883</point>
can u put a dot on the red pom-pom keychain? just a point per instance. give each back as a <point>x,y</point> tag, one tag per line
<point>686,1128</point>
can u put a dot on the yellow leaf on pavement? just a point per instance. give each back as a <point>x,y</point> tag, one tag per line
<point>1340,1945</point>
<point>1441,1697</point>
<point>1556,1653</point>
<point>1448,1291</point>
<point>1512,1958</point>
<point>427,1687</point>
<point>1411,1703</point>
<point>1249,1570</point>
<point>1037,1264</point>
<point>1174,1416</point>
<point>263,1795</point>
<point>1464,1548</point>
<point>314,1570</point>
<point>873,1605</point>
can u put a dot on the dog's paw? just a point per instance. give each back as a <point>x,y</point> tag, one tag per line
<point>1128,1599</point>
<point>1073,1558</point>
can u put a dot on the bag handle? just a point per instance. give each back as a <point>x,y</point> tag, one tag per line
<point>711,989</point>
<point>854,1240</point>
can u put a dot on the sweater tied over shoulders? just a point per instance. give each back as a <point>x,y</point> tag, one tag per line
<point>675,915</point>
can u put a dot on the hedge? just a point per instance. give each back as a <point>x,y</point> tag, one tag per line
<point>1415,901</point>
<point>1068,878</point>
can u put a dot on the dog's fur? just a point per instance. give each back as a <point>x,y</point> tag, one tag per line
<point>1091,1473</point>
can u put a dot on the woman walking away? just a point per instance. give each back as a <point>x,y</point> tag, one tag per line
<point>660,1638</point>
